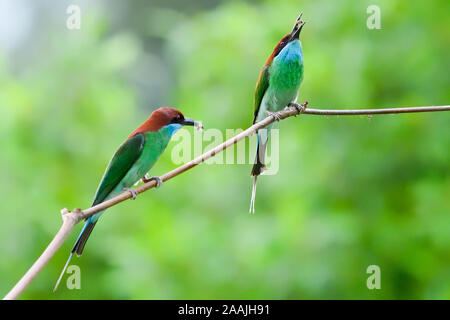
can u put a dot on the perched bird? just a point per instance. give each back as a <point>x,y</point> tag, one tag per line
<point>277,86</point>
<point>131,162</point>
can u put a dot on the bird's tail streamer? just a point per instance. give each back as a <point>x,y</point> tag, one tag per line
<point>85,230</point>
<point>62,273</point>
<point>252,201</point>
<point>259,166</point>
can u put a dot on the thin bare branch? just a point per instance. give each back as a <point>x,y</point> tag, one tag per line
<point>354,112</point>
<point>70,219</point>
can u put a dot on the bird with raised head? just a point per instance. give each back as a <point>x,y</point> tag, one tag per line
<point>278,85</point>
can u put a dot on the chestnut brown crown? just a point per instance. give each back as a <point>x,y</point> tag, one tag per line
<point>162,117</point>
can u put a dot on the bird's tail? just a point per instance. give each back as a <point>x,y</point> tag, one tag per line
<point>78,247</point>
<point>257,169</point>
<point>83,237</point>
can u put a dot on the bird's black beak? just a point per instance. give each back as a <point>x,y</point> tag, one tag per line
<point>299,18</point>
<point>190,122</point>
<point>295,33</point>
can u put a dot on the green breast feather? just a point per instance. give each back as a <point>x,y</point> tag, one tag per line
<point>286,75</point>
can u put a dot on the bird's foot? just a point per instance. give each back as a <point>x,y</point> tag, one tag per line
<point>300,107</point>
<point>146,178</point>
<point>134,193</point>
<point>158,180</point>
<point>275,115</point>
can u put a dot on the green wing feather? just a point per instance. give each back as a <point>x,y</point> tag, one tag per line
<point>120,164</point>
<point>261,87</point>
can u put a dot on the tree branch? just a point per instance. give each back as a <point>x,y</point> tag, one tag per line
<point>375,111</point>
<point>70,219</point>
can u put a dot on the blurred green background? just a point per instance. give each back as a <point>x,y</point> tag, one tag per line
<point>351,191</point>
